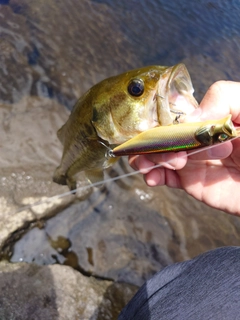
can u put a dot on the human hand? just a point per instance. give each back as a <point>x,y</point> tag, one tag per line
<point>213,175</point>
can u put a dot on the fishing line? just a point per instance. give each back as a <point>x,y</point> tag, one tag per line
<point>96,184</point>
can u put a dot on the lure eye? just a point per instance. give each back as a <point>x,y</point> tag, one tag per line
<point>136,87</point>
<point>222,137</point>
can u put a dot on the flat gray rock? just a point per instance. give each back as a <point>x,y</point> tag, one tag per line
<point>58,292</point>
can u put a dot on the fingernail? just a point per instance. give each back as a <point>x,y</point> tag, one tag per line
<point>144,165</point>
<point>168,163</point>
<point>218,152</point>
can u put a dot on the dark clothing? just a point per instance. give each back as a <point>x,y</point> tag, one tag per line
<point>206,287</point>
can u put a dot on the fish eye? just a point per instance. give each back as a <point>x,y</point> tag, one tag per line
<point>136,87</point>
<point>222,137</point>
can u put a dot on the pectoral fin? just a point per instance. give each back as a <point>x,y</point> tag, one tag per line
<point>94,175</point>
<point>59,177</point>
<point>61,134</point>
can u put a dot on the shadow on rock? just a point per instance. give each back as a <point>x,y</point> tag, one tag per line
<point>28,292</point>
<point>58,292</point>
<point>114,300</point>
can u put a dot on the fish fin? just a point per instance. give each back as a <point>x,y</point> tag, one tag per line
<point>72,184</point>
<point>59,177</point>
<point>61,134</point>
<point>94,175</point>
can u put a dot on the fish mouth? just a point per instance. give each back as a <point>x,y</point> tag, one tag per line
<point>175,95</point>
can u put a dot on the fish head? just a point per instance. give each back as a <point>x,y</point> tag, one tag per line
<point>116,110</point>
<point>140,99</point>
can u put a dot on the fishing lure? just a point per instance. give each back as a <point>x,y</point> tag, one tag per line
<point>179,137</point>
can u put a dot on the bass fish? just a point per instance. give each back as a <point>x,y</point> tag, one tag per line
<point>116,110</point>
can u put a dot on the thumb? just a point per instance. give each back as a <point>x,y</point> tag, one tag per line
<point>221,99</point>
<point>220,151</point>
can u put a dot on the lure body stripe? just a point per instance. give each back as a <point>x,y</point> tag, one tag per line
<point>178,137</point>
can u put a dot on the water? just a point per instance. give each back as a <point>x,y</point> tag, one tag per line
<point>51,53</point>
<point>44,54</point>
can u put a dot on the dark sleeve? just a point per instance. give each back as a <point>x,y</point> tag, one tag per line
<point>206,287</point>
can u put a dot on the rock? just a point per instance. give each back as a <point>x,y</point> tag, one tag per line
<point>58,292</point>
<point>128,231</point>
<point>30,151</point>
<point>59,51</point>
<point>124,231</point>
<point>50,49</point>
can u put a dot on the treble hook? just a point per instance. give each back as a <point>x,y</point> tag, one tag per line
<point>109,152</point>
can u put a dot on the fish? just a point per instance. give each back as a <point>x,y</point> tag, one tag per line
<point>116,110</point>
<point>184,136</point>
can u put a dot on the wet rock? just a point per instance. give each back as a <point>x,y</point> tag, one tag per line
<point>44,54</point>
<point>98,238</point>
<point>124,231</point>
<point>154,228</point>
<point>47,55</point>
<point>49,49</point>
<point>30,151</point>
<point>58,292</point>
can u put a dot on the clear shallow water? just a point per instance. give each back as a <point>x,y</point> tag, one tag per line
<point>51,53</point>
<point>44,54</point>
